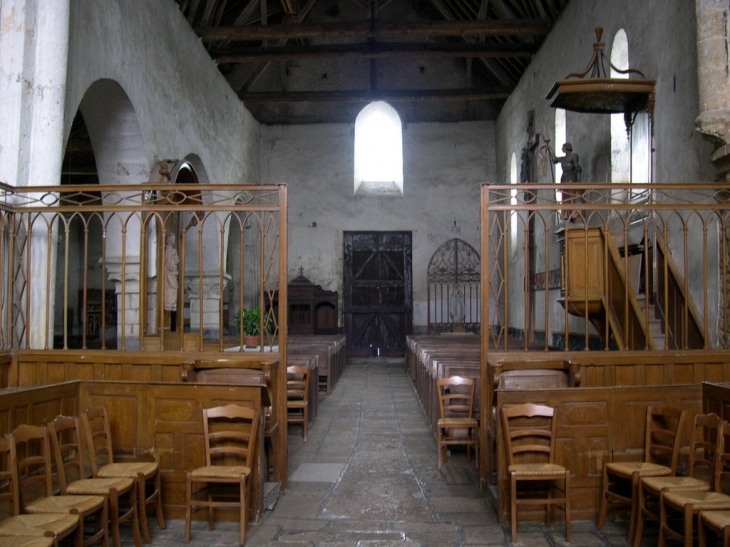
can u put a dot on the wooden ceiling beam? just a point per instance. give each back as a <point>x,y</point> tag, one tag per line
<point>374,29</point>
<point>470,94</point>
<point>377,50</point>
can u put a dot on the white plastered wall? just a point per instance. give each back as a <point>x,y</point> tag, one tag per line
<point>443,167</point>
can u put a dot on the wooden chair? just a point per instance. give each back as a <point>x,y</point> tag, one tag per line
<point>36,485</point>
<point>718,522</point>
<point>701,465</point>
<point>297,397</point>
<point>456,424</point>
<point>26,542</point>
<point>662,440</point>
<point>95,422</point>
<point>529,441</point>
<point>230,436</point>
<point>22,527</point>
<point>65,434</point>
<point>685,506</point>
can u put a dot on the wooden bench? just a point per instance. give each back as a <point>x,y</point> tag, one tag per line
<point>329,351</point>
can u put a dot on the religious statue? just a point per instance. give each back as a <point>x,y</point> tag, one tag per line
<point>171,262</point>
<point>571,173</point>
<point>457,309</point>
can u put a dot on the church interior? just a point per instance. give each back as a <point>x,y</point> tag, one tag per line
<point>322,224</point>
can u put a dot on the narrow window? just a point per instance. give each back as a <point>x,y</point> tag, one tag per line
<point>620,151</point>
<point>513,201</point>
<point>560,139</point>
<point>378,151</point>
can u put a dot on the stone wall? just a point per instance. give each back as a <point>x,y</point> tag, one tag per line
<point>443,164</point>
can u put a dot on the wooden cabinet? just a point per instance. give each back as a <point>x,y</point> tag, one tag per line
<point>312,310</point>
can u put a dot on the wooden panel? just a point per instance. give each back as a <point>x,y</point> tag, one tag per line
<point>592,429</point>
<point>33,367</point>
<point>584,256</point>
<point>145,414</point>
<point>36,406</point>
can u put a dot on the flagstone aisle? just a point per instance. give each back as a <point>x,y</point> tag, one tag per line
<point>367,477</point>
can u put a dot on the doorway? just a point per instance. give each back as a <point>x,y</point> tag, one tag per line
<point>378,293</point>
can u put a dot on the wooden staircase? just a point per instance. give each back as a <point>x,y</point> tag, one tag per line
<point>655,323</point>
<point>602,285</point>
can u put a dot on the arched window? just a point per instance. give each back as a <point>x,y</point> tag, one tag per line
<point>513,199</point>
<point>560,139</point>
<point>620,151</point>
<point>378,151</point>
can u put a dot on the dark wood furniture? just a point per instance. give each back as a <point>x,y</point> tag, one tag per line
<point>312,309</point>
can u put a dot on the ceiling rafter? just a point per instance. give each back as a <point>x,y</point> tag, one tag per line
<point>470,94</point>
<point>375,29</point>
<point>378,50</point>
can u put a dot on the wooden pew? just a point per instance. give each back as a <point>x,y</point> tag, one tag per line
<point>433,357</point>
<point>330,353</point>
<point>310,362</point>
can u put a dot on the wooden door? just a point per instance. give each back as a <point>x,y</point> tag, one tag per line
<point>378,297</point>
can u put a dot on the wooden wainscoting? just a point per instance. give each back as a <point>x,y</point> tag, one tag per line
<point>592,429</point>
<point>164,422</point>
<point>149,421</point>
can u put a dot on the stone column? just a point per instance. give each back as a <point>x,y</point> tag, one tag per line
<point>45,149</point>
<point>210,302</point>
<point>712,69</point>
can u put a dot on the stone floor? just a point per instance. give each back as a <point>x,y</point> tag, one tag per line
<point>367,477</point>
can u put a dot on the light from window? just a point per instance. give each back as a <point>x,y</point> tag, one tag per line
<point>378,151</point>
<point>620,152</point>
<point>560,139</point>
<point>513,201</point>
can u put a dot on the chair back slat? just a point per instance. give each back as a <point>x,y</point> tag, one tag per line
<point>529,433</point>
<point>230,435</point>
<point>456,396</point>
<point>95,422</point>
<point>663,435</point>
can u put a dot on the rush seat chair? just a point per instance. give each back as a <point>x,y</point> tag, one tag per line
<point>65,434</point>
<point>529,441</point>
<point>662,441</point>
<point>297,397</point>
<point>24,527</point>
<point>702,454</point>
<point>35,480</point>
<point>97,429</point>
<point>685,506</point>
<point>456,424</point>
<point>230,436</point>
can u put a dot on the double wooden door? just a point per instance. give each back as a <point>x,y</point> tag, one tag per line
<point>378,293</point>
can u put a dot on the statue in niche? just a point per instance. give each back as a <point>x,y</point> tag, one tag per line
<point>171,263</point>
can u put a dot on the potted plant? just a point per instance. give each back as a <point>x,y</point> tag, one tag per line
<point>250,322</point>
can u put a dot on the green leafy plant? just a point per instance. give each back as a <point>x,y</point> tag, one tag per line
<point>249,321</point>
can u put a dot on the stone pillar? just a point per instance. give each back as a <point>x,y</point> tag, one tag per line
<point>45,154</point>
<point>210,303</point>
<point>712,69</point>
<point>126,282</point>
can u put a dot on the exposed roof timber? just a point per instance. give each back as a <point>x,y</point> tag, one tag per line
<point>470,94</point>
<point>378,50</point>
<point>375,29</point>
<point>491,66</point>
